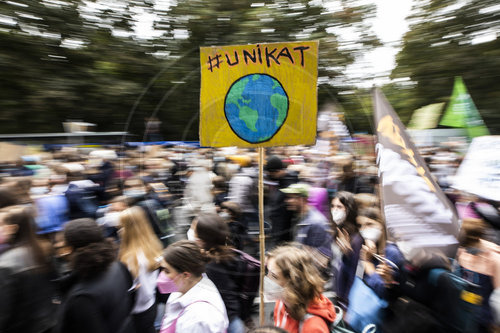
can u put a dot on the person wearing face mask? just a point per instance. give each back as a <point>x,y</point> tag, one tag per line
<point>225,268</point>
<point>195,304</point>
<point>294,282</point>
<point>348,242</point>
<point>378,275</point>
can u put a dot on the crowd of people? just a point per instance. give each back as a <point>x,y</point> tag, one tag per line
<point>156,239</point>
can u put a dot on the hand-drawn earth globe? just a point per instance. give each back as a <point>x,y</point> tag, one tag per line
<point>256,106</point>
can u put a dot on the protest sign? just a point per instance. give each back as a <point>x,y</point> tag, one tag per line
<point>259,95</point>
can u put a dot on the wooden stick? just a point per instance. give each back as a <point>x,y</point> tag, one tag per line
<point>262,236</point>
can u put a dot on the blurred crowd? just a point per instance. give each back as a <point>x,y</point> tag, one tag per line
<point>157,239</point>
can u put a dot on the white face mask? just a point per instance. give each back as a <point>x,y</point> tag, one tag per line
<point>191,236</point>
<point>338,216</point>
<point>225,216</point>
<point>272,290</point>
<point>134,193</point>
<point>372,234</point>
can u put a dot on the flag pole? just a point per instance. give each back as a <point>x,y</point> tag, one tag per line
<point>262,236</point>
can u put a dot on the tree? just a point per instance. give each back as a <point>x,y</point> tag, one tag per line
<point>451,38</point>
<point>60,60</point>
<point>195,23</point>
<point>80,59</point>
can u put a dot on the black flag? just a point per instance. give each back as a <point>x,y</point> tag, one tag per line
<point>417,212</point>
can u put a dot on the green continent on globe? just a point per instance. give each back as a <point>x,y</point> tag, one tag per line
<point>235,94</point>
<point>280,102</point>
<point>249,116</point>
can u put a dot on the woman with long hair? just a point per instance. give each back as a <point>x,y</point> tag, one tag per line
<point>27,293</point>
<point>139,251</point>
<point>349,241</point>
<point>195,304</point>
<point>296,285</point>
<point>98,295</point>
<point>381,259</point>
<point>224,267</point>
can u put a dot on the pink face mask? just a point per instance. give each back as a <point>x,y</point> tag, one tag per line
<point>165,284</point>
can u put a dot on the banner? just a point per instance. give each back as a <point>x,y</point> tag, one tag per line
<point>426,117</point>
<point>258,95</point>
<point>479,172</point>
<point>417,213</point>
<point>461,112</point>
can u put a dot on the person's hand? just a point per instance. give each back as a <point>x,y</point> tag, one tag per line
<point>344,241</point>
<point>367,250</point>
<point>386,273</point>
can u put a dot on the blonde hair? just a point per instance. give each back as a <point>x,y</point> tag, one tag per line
<point>304,282</point>
<point>137,236</point>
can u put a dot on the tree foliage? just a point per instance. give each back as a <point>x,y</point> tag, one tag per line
<point>451,38</point>
<point>82,60</point>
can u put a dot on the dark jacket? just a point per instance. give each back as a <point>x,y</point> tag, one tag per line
<point>276,212</point>
<point>375,281</point>
<point>101,304</point>
<point>313,230</point>
<point>26,301</point>
<point>82,202</point>
<point>347,270</point>
<point>223,276</point>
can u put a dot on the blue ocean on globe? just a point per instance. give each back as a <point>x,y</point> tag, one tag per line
<point>256,107</point>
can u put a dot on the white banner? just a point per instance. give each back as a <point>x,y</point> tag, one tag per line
<point>479,172</point>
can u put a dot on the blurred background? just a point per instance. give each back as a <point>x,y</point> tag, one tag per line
<point>122,65</point>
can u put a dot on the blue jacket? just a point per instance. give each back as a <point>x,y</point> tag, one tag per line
<point>313,230</point>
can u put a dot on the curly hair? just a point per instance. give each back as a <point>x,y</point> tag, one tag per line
<point>93,258</point>
<point>92,253</point>
<point>304,281</point>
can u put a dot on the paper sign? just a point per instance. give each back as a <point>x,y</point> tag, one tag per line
<point>479,172</point>
<point>259,95</point>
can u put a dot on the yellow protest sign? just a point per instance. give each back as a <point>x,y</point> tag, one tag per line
<point>258,95</point>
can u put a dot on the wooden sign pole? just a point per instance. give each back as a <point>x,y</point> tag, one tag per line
<point>262,236</point>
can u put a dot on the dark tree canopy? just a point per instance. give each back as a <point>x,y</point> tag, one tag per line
<point>82,60</point>
<point>453,38</point>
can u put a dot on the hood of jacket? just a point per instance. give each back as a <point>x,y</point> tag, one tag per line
<point>322,307</point>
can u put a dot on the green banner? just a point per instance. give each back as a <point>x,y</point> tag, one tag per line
<point>461,112</point>
<point>426,117</point>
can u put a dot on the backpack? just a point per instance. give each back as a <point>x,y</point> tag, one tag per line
<point>248,280</point>
<point>434,300</point>
<point>458,301</point>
